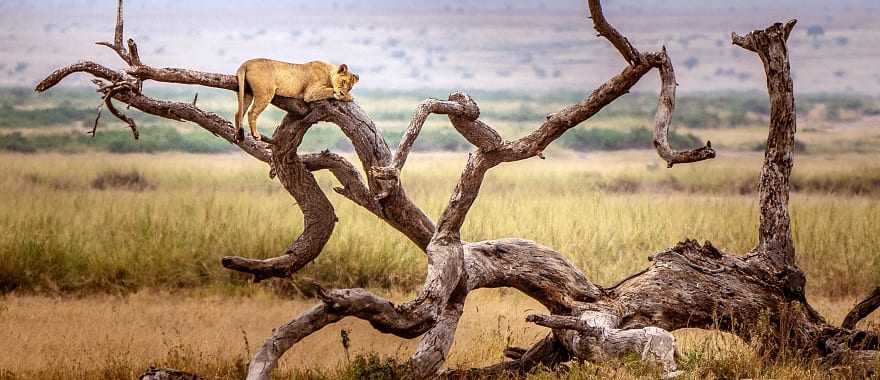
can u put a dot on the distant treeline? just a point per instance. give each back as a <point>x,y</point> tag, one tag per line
<point>711,110</point>
<point>22,110</point>
<point>168,139</point>
<point>152,140</point>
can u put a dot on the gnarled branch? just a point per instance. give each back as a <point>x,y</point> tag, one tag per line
<point>463,112</point>
<point>117,44</point>
<point>108,100</point>
<point>594,336</point>
<point>862,310</point>
<point>353,186</point>
<point>775,225</point>
<point>664,116</point>
<point>621,43</point>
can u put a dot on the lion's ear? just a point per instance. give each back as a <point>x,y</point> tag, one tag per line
<point>355,77</point>
<point>343,68</point>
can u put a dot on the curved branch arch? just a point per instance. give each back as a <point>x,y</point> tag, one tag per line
<point>688,285</point>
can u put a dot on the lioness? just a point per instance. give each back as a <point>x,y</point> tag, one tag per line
<point>266,78</point>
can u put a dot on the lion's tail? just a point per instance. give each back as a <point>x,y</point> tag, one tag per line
<point>241,73</point>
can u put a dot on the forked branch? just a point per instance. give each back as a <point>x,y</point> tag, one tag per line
<point>117,44</point>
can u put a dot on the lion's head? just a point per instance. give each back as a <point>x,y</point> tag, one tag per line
<point>343,80</point>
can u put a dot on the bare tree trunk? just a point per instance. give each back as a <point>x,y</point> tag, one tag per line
<point>758,296</point>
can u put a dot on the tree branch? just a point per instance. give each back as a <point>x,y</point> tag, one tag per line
<point>862,310</point>
<point>621,43</point>
<point>564,322</point>
<point>467,124</point>
<point>534,143</point>
<point>664,116</point>
<point>167,374</point>
<point>435,344</point>
<point>166,109</point>
<point>539,271</point>
<point>353,186</point>
<point>463,196</point>
<point>266,358</point>
<point>382,178</point>
<point>82,67</point>
<point>319,217</point>
<point>108,100</point>
<point>547,352</point>
<point>775,225</point>
<point>117,44</point>
<point>462,111</point>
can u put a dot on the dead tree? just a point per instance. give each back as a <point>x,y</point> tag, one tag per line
<point>689,285</point>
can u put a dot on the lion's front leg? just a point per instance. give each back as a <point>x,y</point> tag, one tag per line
<point>316,93</point>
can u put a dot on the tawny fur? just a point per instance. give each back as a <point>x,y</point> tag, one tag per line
<point>266,78</point>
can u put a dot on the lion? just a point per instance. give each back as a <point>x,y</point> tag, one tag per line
<point>310,82</point>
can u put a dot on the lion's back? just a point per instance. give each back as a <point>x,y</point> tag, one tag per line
<point>289,79</point>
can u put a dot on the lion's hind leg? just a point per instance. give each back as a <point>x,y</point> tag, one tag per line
<point>244,104</point>
<point>261,101</point>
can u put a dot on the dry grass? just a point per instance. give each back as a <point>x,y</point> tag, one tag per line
<point>79,337</point>
<point>63,236</point>
<point>99,337</point>
<point>820,136</point>
<point>161,245</point>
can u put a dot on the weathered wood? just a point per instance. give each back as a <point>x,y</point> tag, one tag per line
<point>862,310</point>
<point>117,45</point>
<point>774,233</point>
<point>665,107</point>
<point>108,101</point>
<point>459,106</point>
<point>167,374</point>
<point>594,336</point>
<point>547,352</point>
<point>353,186</point>
<point>621,43</point>
<point>569,117</point>
<point>319,217</point>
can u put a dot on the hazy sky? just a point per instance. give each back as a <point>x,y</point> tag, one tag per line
<point>472,44</point>
<point>420,4</point>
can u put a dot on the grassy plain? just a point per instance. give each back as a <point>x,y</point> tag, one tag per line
<point>111,337</point>
<point>102,283</point>
<point>606,211</point>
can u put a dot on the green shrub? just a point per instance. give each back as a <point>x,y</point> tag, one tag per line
<point>15,142</point>
<point>432,140</point>
<point>799,146</point>
<point>373,367</point>
<point>131,180</point>
<point>17,118</point>
<point>153,139</point>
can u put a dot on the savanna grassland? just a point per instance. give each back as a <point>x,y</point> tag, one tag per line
<point>110,247</point>
<point>110,262</point>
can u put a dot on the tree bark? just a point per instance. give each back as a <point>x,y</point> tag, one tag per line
<point>758,296</point>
